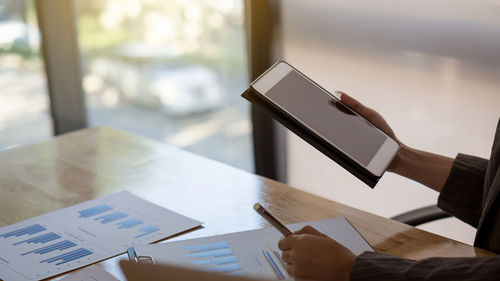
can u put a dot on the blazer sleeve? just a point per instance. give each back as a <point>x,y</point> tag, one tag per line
<point>462,194</point>
<point>373,266</point>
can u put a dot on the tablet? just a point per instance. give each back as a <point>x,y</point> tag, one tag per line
<point>324,121</point>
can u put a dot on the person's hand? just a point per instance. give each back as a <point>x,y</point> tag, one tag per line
<point>375,118</point>
<point>311,255</point>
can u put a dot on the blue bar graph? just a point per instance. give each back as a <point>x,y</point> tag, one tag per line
<point>111,217</point>
<point>214,253</point>
<point>147,230</point>
<point>40,239</point>
<point>216,261</point>
<point>94,211</point>
<point>207,247</point>
<point>67,257</point>
<point>66,244</point>
<point>32,229</point>
<point>216,257</point>
<point>129,223</point>
<point>228,268</point>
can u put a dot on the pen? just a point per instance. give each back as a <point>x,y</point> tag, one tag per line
<point>272,219</point>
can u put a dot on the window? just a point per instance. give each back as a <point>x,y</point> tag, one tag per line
<point>169,70</point>
<point>24,116</point>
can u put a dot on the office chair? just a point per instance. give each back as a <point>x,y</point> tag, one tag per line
<point>421,215</point>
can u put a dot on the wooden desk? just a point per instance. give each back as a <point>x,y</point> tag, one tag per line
<point>94,162</point>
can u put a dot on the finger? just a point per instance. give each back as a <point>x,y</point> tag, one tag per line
<point>297,272</point>
<point>290,268</point>
<point>355,105</point>
<point>350,101</point>
<point>341,106</point>
<point>287,257</point>
<point>309,230</point>
<point>286,243</point>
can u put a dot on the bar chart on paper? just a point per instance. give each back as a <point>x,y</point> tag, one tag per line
<point>226,255</point>
<point>219,257</point>
<point>251,253</point>
<point>63,240</point>
<point>216,257</point>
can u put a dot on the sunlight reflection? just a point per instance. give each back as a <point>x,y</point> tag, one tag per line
<point>191,135</point>
<point>238,129</point>
<point>194,134</point>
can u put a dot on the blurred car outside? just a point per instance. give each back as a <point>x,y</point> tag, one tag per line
<point>141,75</point>
<point>188,89</point>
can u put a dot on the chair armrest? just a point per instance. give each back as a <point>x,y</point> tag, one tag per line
<point>421,215</point>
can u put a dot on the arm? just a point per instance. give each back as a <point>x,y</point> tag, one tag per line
<point>374,267</point>
<point>462,195</point>
<point>460,181</point>
<point>427,168</point>
<point>311,255</point>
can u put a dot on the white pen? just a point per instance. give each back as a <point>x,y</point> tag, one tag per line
<point>272,219</point>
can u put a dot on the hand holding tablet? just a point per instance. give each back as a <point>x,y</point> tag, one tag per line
<point>324,121</point>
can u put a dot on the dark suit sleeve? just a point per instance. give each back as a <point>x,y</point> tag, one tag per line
<point>462,194</point>
<point>374,267</point>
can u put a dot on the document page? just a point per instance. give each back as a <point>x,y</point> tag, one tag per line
<point>91,273</point>
<point>253,253</point>
<point>82,234</point>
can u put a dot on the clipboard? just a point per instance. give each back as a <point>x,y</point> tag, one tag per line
<point>251,253</point>
<point>308,135</point>
<point>133,257</point>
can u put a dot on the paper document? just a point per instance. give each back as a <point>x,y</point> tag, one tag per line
<point>82,234</point>
<point>91,273</point>
<point>253,253</point>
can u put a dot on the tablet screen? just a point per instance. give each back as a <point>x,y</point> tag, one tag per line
<point>328,118</point>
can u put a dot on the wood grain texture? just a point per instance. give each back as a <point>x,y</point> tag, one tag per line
<point>94,162</point>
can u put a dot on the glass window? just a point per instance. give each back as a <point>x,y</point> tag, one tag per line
<point>24,115</point>
<point>169,70</point>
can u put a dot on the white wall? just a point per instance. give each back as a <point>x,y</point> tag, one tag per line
<point>431,69</point>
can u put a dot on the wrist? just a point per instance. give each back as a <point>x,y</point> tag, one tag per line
<point>347,268</point>
<point>400,161</point>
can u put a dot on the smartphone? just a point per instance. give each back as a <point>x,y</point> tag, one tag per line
<point>326,116</point>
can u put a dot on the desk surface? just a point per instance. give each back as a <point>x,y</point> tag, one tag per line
<point>95,162</point>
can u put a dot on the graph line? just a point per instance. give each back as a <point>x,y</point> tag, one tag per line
<point>273,264</point>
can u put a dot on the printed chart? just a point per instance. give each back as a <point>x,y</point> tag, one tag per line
<point>218,257</point>
<point>250,253</point>
<point>82,234</point>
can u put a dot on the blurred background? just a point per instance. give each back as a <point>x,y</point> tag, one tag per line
<point>431,68</point>
<point>168,70</point>
<point>174,70</point>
